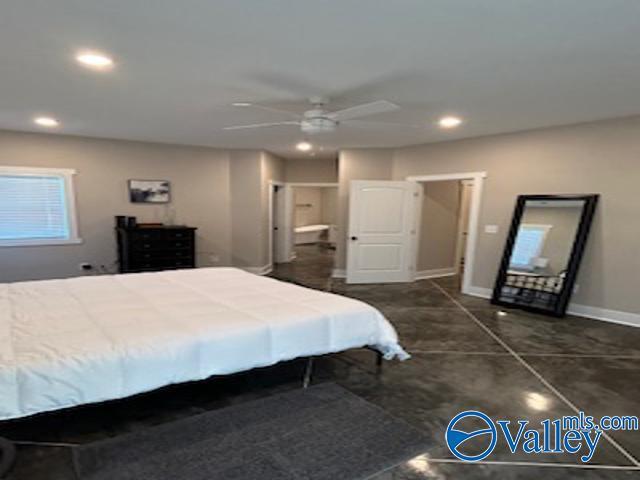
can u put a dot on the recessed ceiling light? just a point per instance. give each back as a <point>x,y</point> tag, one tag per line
<point>95,60</point>
<point>449,122</point>
<point>241,104</point>
<point>46,122</point>
<point>304,146</point>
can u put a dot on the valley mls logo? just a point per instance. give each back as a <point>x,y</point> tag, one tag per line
<point>457,438</point>
<point>471,435</point>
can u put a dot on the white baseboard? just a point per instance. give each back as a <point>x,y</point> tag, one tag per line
<point>604,314</point>
<point>595,313</point>
<point>480,292</point>
<point>264,270</point>
<point>436,273</point>
<point>339,273</point>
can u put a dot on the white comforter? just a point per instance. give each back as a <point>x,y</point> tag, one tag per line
<point>82,340</point>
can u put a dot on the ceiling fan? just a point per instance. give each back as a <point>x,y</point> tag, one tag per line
<point>318,119</point>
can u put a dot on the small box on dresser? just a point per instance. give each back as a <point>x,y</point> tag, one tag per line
<point>151,249</point>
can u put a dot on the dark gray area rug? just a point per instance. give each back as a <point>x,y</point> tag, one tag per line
<point>324,432</point>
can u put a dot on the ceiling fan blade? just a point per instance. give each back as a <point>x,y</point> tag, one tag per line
<point>363,110</point>
<point>374,123</point>
<point>274,110</point>
<point>260,125</point>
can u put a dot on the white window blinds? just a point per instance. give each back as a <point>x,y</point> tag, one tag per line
<point>35,208</point>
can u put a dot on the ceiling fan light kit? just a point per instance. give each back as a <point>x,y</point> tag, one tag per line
<point>318,119</point>
<point>318,125</point>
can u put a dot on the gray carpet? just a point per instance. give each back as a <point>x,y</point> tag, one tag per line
<point>324,432</point>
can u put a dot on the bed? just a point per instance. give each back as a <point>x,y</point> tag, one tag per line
<point>83,340</point>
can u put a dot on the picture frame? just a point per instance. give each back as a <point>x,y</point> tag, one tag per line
<point>149,191</point>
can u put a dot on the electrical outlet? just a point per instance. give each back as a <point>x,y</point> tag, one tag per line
<point>491,229</point>
<point>576,287</point>
<point>213,258</point>
<point>84,267</point>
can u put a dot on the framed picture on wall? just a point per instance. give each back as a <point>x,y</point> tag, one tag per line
<point>149,191</point>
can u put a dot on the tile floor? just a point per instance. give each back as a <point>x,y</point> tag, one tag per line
<point>465,356</point>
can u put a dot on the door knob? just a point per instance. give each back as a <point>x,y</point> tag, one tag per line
<point>354,238</point>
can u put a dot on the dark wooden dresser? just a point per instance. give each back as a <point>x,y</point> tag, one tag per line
<point>150,249</point>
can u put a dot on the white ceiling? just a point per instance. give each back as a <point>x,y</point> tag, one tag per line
<point>502,65</point>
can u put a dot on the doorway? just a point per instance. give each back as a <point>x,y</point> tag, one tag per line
<point>469,187</point>
<point>315,209</point>
<point>443,232</point>
<point>303,232</point>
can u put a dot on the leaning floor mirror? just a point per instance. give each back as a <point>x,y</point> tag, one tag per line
<point>542,255</point>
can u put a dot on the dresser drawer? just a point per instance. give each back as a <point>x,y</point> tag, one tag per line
<point>179,235</point>
<point>169,241</point>
<point>146,241</point>
<point>160,255</point>
<point>180,254</point>
<point>178,244</point>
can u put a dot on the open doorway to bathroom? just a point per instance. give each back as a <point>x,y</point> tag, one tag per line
<point>314,218</point>
<point>304,233</point>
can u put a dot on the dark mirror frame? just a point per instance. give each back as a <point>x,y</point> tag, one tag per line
<point>577,251</point>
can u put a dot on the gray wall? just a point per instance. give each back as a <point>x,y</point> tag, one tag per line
<point>329,205</point>
<point>600,157</point>
<point>439,225</point>
<point>251,172</point>
<point>319,170</point>
<point>246,207</point>
<point>199,190</point>
<point>223,193</point>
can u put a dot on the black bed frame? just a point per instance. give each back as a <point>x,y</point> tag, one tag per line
<point>7,456</point>
<point>8,449</point>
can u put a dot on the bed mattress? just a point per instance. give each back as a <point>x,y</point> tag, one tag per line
<point>82,340</point>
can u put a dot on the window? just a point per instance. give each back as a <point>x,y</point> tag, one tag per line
<point>528,245</point>
<point>37,207</point>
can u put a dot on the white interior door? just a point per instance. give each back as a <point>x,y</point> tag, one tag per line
<point>381,231</point>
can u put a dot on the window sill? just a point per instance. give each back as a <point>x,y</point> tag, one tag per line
<point>40,242</point>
